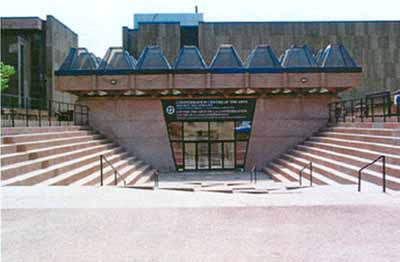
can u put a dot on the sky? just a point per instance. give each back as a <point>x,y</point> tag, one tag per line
<point>99,22</point>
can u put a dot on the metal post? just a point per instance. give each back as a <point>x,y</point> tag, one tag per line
<point>255,175</point>
<point>26,111</point>
<point>300,178</point>
<point>156,174</point>
<point>49,112</point>
<point>362,110</point>
<point>59,114</point>
<point>115,177</point>
<point>359,181</point>
<point>352,110</point>
<point>40,112</point>
<point>372,109</point>
<point>101,170</point>
<point>343,106</point>
<point>384,173</point>
<point>311,173</point>
<point>12,117</point>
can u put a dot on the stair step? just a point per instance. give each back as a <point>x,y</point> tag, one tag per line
<point>34,145</point>
<point>9,159</point>
<point>44,137</point>
<point>391,169</point>
<point>6,131</point>
<point>391,140</point>
<point>38,164</point>
<point>38,176</point>
<point>355,151</point>
<point>384,148</point>
<point>369,175</point>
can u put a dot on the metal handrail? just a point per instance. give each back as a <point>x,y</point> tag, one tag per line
<point>116,173</point>
<point>383,172</point>
<point>253,174</point>
<point>367,107</point>
<point>42,110</point>
<point>310,167</point>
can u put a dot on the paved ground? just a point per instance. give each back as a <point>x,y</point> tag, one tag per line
<point>113,224</point>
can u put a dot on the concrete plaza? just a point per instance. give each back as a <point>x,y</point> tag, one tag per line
<point>120,224</point>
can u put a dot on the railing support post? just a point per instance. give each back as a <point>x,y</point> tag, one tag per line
<point>101,170</point>
<point>115,178</point>
<point>156,177</point>
<point>311,174</point>
<point>384,174</point>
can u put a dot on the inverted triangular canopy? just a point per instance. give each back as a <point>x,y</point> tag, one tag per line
<point>152,57</point>
<point>262,57</point>
<point>189,57</point>
<point>79,59</point>
<point>318,56</point>
<point>226,57</point>
<point>116,59</point>
<point>336,55</point>
<point>298,57</point>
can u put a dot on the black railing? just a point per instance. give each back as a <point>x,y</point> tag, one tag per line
<point>310,167</point>
<point>103,160</point>
<point>383,172</point>
<point>375,107</point>
<point>253,174</point>
<point>24,111</point>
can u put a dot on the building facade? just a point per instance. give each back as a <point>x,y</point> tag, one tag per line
<point>35,48</point>
<point>375,45</point>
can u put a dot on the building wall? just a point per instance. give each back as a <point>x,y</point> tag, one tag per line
<point>280,123</point>
<point>11,42</point>
<point>374,44</point>
<point>137,125</point>
<point>166,35</point>
<point>59,39</point>
<point>47,43</point>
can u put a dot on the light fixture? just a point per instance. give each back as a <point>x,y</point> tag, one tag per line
<point>101,93</point>
<point>139,93</point>
<point>250,91</point>
<point>239,91</point>
<point>312,91</point>
<point>113,81</point>
<point>129,93</point>
<point>276,91</point>
<point>287,91</point>
<point>176,92</point>
<point>323,90</point>
<point>91,93</point>
<point>165,92</point>
<point>304,80</point>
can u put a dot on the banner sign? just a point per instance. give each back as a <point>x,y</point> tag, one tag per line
<point>208,109</point>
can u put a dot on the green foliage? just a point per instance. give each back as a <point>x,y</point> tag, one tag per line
<point>6,72</point>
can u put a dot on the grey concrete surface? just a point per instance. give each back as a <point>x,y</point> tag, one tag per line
<point>314,233</point>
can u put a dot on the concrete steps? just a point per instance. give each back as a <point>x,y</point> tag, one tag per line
<point>61,156</point>
<point>337,153</point>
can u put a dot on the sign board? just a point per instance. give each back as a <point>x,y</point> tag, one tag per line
<point>208,109</point>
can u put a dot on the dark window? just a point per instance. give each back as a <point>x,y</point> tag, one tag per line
<point>189,35</point>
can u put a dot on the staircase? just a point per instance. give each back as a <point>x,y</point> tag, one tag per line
<point>65,155</point>
<point>338,152</point>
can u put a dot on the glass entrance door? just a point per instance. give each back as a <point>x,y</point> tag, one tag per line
<point>190,156</point>
<point>209,145</point>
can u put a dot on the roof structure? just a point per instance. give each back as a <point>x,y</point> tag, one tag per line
<point>336,55</point>
<point>117,58</point>
<point>152,58</point>
<point>226,57</point>
<point>298,57</point>
<point>262,57</point>
<point>189,58</point>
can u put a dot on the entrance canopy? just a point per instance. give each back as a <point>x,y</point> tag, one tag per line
<point>330,71</point>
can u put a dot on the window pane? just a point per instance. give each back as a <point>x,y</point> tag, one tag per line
<point>243,129</point>
<point>178,153</point>
<point>195,131</point>
<point>240,153</point>
<point>175,130</point>
<point>229,155</point>
<point>222,130</point>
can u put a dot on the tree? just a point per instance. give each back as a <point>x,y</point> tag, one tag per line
<point>6,72</point>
